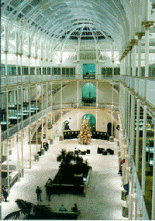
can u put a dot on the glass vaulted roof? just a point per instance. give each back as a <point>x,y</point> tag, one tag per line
<point>101,22</point>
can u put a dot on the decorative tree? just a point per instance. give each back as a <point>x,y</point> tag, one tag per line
<point>85,134</point>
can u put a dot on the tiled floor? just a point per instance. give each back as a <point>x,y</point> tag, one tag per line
<point>103,198</point>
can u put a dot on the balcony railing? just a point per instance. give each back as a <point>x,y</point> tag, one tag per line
<point>144,87</point>
<point>16,79</point>
<point>11,131</point>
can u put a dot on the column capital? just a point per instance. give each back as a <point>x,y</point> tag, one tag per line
<point>140,34</point>
<point>147,24</point>
<point>133,42</point>
<point>144,104</point>
<point>5,52</point>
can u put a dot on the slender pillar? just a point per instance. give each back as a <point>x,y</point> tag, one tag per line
<point>137,135</point>
<point>18,157</point>
<point>7,112</point>
<point>36,99</point>
<point>17,50</point>
<point>18,104</point>
<point>6,40</point>
<point>42,101</point>
<point>42,132</point>
<point>136,208</point>
<point>96,94</point>
<point>46,107</point>
<point>147,52</point>
<point>29,99</point>
<point>144,150</point>
<point>132,125</point>
<point>129,113</point>
<point>61,109</point>
<point>96,120</point>
<point>0,166</point>
<point>139,34</point>
<point>36,54</point>
<point>46,94</point>
<point>134,61</point>
<point>77,88</point>
<point>36,137</point>
<point>22,104</point>
<point>130,198</point>
<point>153,186</point>
<point>52,124</point>
<point>8,167</point>
<point>22,156</point>
<point>51,98</point>
<point>29,147</point>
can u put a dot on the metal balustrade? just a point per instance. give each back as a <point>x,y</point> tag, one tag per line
<point>19,79</point>
<point>11,131</point>
<point>145,88</point>
<point>140,198</point>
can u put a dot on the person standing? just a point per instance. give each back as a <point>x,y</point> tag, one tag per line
<point>5,193</point>
<point>38,192</point>
<point>48,187</point>
<point>74,208</point>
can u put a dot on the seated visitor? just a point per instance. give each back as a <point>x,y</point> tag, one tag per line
<point>62,208</point>
<point>74,208</point>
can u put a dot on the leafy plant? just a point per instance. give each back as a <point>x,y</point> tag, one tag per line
<point>42,212</point>
<point>38,211</point>
<point>24,206</point>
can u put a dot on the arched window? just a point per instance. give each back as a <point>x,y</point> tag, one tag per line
<point>91,121</point>
<point>89,94</point>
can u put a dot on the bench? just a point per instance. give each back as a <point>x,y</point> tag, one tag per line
<point>65,215</point>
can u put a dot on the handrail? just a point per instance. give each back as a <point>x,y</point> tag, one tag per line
<point>11,131</point>
<point>144,87</point>
<point>140,198</point>
<point>15,79</point>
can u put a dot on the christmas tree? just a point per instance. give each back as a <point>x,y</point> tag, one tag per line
<point>85,134</point>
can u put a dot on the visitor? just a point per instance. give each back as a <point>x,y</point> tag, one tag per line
<point>48,192</point>
<point>5,193</point>
<point>48,187</point>
<point>74,208</point>
<point>49,182</point>
<point>38,192</point>
<point>62,208</point>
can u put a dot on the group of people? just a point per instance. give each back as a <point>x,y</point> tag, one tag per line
<point>48,185</point>
<point>74,208</point>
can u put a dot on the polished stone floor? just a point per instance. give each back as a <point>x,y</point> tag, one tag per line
<point>103,198</point>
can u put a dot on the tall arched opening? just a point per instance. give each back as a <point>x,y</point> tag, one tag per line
<point>91,121</point>
<point>89,94</point>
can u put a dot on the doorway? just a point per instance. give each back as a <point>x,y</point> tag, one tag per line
<point>89,94</point>
<point>91,121</point>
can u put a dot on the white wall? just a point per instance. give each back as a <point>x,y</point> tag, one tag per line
<point>69,93</point>
<point>103,117</point>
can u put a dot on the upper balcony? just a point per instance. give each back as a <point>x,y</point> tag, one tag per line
<point>143,87</point>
